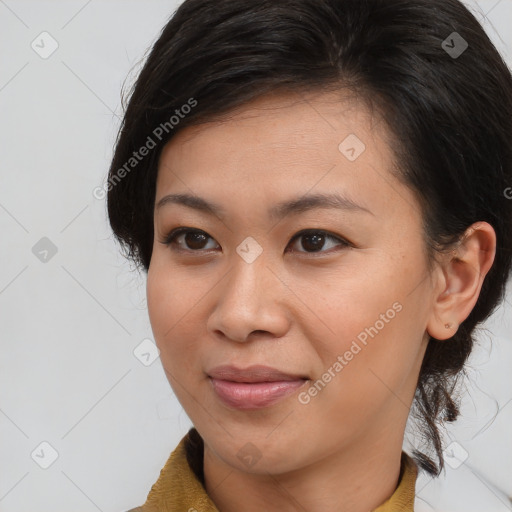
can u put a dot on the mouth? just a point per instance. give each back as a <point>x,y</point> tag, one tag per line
<point>255,387</point>
<point>256,373</point>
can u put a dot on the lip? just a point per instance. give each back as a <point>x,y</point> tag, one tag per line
<point>255,373</point>
<point>254,387</point>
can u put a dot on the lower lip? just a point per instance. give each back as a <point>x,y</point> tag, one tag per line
<point>254,395</point>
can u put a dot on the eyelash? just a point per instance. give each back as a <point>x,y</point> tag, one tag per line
<point>173,235</point>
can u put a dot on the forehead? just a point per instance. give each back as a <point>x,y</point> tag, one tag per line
<point>278,129</point>
<point>285,145</point>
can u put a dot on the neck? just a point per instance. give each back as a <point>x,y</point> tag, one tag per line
<point>357,478</point>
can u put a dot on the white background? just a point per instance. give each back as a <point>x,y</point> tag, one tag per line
<point>69,326</point>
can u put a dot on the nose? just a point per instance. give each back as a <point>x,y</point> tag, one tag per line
<point>250,300</point>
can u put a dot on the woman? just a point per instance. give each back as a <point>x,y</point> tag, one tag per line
<point>318,193</point>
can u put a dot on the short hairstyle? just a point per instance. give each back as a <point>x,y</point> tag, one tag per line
<point>449,111</point>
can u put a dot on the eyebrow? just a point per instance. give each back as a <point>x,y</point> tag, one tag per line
<point>277,212</point>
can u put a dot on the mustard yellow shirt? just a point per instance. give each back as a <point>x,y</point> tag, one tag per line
<point>179,487</point>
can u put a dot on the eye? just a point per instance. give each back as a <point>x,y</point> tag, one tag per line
<point>195,240</point>
<point>314,240</point>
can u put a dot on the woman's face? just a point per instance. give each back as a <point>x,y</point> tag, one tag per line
<point>342,310</point>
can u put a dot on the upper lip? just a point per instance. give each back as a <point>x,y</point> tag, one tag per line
<point>255,373</point>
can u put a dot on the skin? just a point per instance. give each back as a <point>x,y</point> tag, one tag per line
<point>295,309</point>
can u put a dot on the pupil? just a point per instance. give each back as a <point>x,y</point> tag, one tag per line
<point>313,242</point>
<point>195,240</point>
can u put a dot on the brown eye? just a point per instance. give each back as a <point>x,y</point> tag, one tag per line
<point>188,239</point>
<point>195,240</point>
<point>312,241</point>
<point>315,241</point>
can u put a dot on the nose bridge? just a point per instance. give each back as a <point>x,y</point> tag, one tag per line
<point>246,285</point>
<point>249,271</point>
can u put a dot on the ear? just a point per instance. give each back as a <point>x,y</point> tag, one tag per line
<point>461,275</point>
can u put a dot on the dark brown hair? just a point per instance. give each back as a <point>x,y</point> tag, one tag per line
<point>450,108</point>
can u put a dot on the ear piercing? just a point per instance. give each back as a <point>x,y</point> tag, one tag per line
<point>448,326</point>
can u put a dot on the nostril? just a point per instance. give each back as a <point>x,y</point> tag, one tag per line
<point>259,331</point>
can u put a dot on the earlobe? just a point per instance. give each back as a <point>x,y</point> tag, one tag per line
<point>463,273</point>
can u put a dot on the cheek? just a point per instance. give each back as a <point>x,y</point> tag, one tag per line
<point>374,334</point>
<point>173,307</point>
<point>356,306</point>
<point>158,294</point>
<point>165,305</point>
